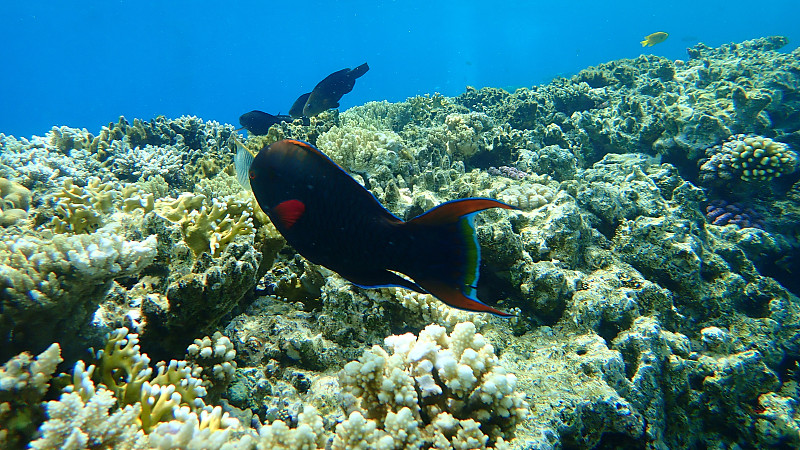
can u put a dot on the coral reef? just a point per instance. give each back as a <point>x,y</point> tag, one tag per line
<point>16,200</point>
<point>52,284</point>
<point>719,212</point>
<point>435,388</point>
<point>24,381</point>
<point>641,319</point>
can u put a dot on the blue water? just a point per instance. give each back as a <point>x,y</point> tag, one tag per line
<point>83,64</point>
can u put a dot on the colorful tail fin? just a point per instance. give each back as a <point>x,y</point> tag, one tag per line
<point>451,256</point>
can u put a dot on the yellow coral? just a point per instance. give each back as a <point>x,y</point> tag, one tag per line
<point>125,371</point>
<point>79,209</point>
<point>209,228</point>
<point>134,197</point>
<point>760,158</point>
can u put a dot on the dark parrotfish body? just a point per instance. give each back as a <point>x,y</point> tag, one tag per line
<point>297,107</point>
<point>333,221</point>
<point>258,122</point>
<point>327,93</point>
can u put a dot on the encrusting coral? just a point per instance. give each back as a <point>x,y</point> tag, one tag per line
<point>15,200</point>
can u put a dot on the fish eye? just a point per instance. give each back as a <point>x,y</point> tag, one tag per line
<point>252,174</point>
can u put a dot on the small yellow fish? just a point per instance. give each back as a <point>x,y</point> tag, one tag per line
<point>655,38</point>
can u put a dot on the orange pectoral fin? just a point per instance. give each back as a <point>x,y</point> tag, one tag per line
<point>455,298</point>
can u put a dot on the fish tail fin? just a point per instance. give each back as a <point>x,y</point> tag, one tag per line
<point>360,70</point>
<point>644,43</point>
<point>241,162</point>
<point>447,238</point>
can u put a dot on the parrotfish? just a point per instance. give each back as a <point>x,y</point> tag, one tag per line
<point>327,93</point>
<point>258,122</point>
<point>333,221</point>
<point>297,107</point>
<point>655,38</point>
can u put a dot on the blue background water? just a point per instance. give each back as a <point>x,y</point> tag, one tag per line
<point>83,64</point>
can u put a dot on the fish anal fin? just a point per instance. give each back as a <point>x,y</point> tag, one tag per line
<point>455,298</point>
<point>452,211</point>
<point>381,278</point>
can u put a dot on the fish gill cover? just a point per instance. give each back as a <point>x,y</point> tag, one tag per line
<point>642,318</point>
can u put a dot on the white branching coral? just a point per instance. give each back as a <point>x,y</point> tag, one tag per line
<point>396,396</point>
<point>361,150</point>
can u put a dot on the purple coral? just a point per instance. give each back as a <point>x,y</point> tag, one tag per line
<point>508,172</point>
<point>720,212</point>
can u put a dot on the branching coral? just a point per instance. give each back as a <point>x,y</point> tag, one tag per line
<point>209,226</point>
<point>426,382</point>
<point>52,283</point>
<point>214,357</point>
<point>23,383</point>
<point>79,210</point>
<point>167,407</point>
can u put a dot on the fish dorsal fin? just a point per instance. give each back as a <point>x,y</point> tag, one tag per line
<point>452,211</point>
<point>315,151</point>
<point>242,162</point>
<point>288,212</point>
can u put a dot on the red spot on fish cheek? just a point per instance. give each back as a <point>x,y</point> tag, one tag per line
<point>252,175</point>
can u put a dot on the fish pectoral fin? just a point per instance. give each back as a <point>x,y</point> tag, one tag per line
<point>382,278</point>
<point>242,162</point>
<point>455,298</point>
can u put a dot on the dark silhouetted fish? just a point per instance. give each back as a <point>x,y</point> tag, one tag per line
<point>258,122</point>
<point>327,93</point>
<point>333,221</point>
<point>297,107</point>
